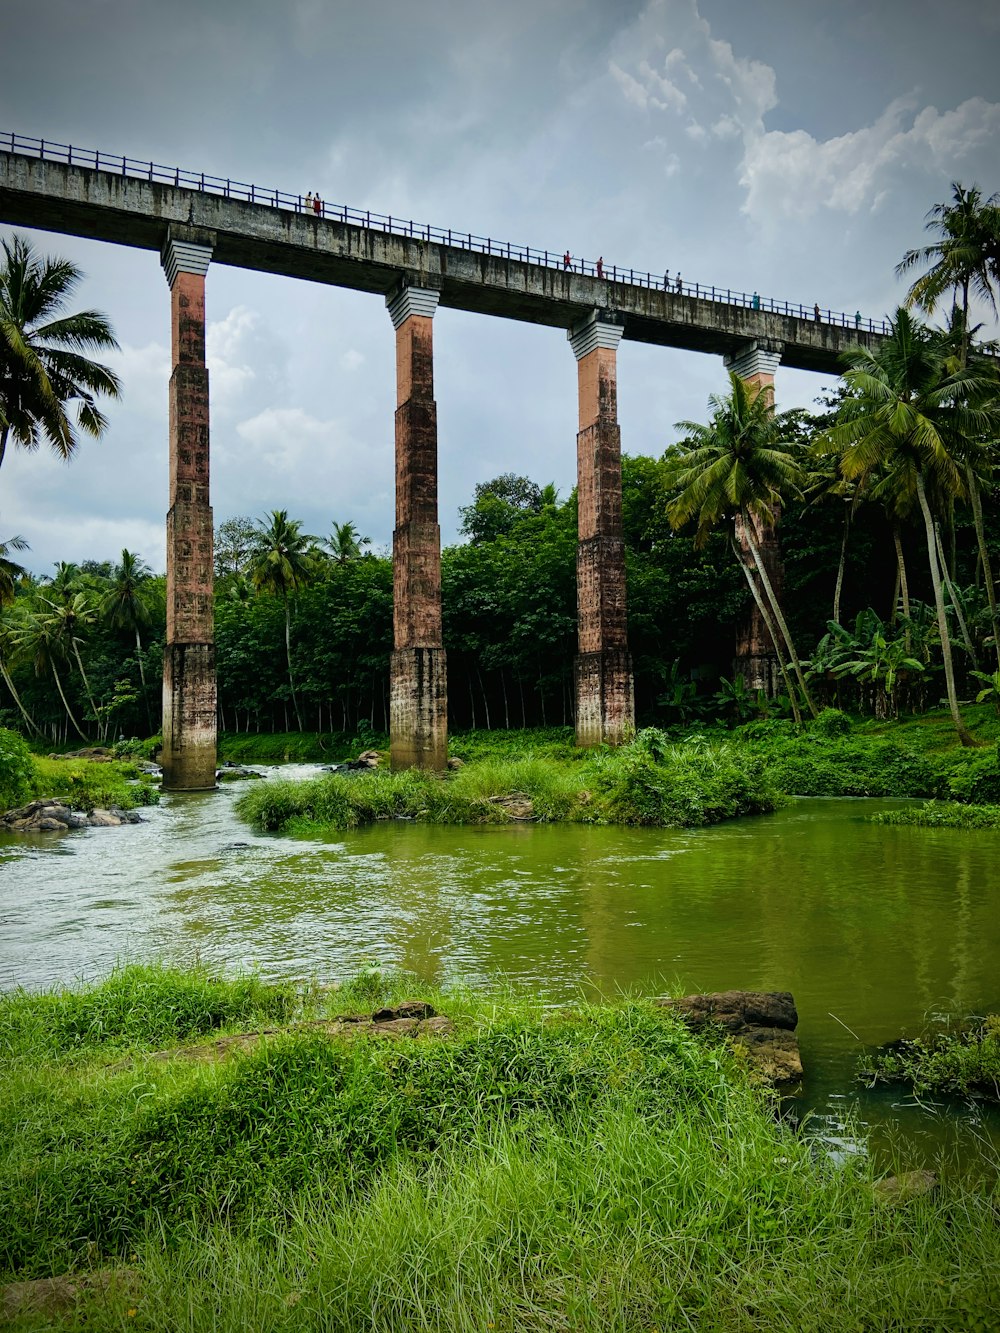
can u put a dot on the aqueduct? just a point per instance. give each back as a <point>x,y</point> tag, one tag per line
<point>191,221</point>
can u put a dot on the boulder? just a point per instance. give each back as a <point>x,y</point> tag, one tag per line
<point>761,1023</point>
<point>230,772</point>
<point>50,815</point>
<point>894,1190</point>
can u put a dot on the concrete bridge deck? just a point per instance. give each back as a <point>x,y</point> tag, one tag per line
<point>273,233</point>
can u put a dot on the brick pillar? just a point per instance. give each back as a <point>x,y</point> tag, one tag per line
<point>756,660</point>
<point>605,703</point>
<point>418,693</point>
<point>189,697</point>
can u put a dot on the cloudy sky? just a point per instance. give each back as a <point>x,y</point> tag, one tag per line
<point>788,146</point>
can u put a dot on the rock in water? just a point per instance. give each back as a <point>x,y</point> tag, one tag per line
<point>761,1022</point>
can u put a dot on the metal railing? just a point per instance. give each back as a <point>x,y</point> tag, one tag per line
<point>136,169</point>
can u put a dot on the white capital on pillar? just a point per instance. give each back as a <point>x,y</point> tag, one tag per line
<point>184,257</point>
<point>756,358</point>
<point>407,301</point>
<point>594,331</point>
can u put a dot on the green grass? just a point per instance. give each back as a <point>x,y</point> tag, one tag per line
<point>689,785</point>
<point>593,1167</point>
<point>961,1061</point>
<point>85,785</point>
<point>296,746</point>
<point>943,814</point>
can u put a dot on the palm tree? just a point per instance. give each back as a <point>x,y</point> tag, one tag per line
<point>283,561</point>
<point>966,257</point>
<point>11,574</point>
<point>965,260</point>
<point>40,637</point>
<point>44,366</point>
<point>125,606</point>
<point>907,421</point>
<point>344,544</point>
<point>736,471</point>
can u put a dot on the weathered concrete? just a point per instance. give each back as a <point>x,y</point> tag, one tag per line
<point>81,201</point>
<point>605,705</point>
<point>418,691</point>
<point>189,686</point>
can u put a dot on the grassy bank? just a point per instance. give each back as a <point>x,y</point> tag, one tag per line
<point>590,1168</point>
<point>641,783</point>
<point>81,783</point>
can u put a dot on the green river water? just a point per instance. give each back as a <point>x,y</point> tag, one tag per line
<point>872,929</point>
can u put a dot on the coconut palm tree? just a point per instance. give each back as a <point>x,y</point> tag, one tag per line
<point>284,560</point>
<point>39,635</point>
<point>907,420</point>
<point>44,363</point>
<point>345,544</point>
<point>735,471</point>
<point>125,606</point>
<point>964,261</point>
<point>11,574</point>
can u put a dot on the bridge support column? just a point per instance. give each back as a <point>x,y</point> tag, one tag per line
<point>418,692</point>
<point>605,703</point>
<point>189,691</point>
<point>756,660</point>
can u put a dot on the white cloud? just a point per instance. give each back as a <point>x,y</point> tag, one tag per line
<point>352,360</point>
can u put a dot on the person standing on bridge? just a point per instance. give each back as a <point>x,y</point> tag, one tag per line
<point>755,302</point>
<point>816,312</point>
<point>567,260</point>
<point>857,319</point>
<point>309,201</point>
<point>600,266</point>
<point>317,204</point>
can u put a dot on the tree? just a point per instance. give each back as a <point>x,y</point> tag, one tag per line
<point>283,561</point>
<point>739,466</point>
<point>11,573</point>
<point>498,504</point>
<point>44,366</point>
<point>345,544</point>
<point>964,260</point>
<point>234,544</point>
<point>906,423</point>
<point>125,606</point>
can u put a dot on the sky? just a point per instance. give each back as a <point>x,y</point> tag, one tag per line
<point>787,146</point>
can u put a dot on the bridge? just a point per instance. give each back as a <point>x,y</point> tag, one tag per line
<point>192,220</point>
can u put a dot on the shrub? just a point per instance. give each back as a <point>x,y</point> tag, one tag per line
<point>832,722</point>
<point>16,769</point>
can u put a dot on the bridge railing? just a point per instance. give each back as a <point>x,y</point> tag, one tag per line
<point>206,183</point>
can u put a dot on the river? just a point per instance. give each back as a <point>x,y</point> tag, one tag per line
<point>872,929</point>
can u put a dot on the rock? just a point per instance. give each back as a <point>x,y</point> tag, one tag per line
<point>54,1296</point>
<point>100,754</point>
<point>895,1190</point>
<point>370,759</point>
<point>762,1023</point>
<point>516,804</point>
<point>455,763</point>
<point>230,772</point>
<point>49,815</point>
<point>408,1009</point>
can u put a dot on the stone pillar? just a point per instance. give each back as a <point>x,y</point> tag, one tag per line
<point>189,695</point>
<point>756,660</point>
<point>418,693</point>
<point>605,703</point>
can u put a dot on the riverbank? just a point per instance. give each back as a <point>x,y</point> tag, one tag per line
<point>659,780</point>
<point>586,1166</point>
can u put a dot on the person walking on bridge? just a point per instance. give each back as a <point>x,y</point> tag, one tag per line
<point>678,285</point>
<point>600,266</point>
<point>567,260</point>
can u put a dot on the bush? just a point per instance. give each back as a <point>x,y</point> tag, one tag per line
<point>978,779</point>
<point>963,1061</point>
<point>16,769</point>
<point>832,722</point>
